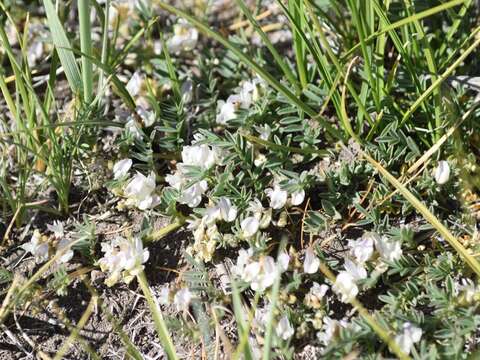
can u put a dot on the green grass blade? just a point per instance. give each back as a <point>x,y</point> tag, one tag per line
<point>63,47</point>
<point>160,325</point>
<point>86,47</point>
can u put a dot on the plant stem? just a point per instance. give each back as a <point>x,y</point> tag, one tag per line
<point>86,48</point>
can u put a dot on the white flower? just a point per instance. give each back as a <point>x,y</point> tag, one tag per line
<point>260,274</point>
<point>314,297</point>
<point>283,260</point>
<point>249,226</point>
<point>278,197</point>
<point>243,260</point>
<point>64,247</point>
<point>35,52</point>
<point>442,172</point>
<point>470,291</point>
<point>260,318</point>
<point>57,229</point>
<point>259,160</point>
<point>345,287</point>
<point>175,180</point>
<point>182,299</point>
<point>228,212</point>
<point>187,91</point>
<point>131,127</point>
<point>123,258</point>
<point>357,271</point>
<point>184,38</point>
<point>389,250</point>
<point>227,110</point>
<point>256,208</point>
<point>409,336</point>
<point>140,191</point>
<point>311,262</point>
<point>121,168</point>
<point>148,116</point>
<point>192,196</point>
<point>297,197</point>
<point>248,94</point>
<point>263,131</point>
<point>164,295</point>
<point>265,277</point>
<point>329,330</point>
<point>362,249</point>
<point>199,155</point>
<point>318,291</point>
<point>134,85</point>
<point>284,330</point>
<point>37,247</point>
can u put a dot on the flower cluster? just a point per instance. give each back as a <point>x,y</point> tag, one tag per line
<point>249,93</point>
<point>200,156</point>
<point>40,246</point>
<point>185,37</point>
<point>180,298</point>
<point>140,190</point>
<point>123,259</point>
<point>260,274</point>
<point>361,251</point>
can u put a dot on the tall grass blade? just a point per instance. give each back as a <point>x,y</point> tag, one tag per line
<point>86,47</point>
<point>64,48</point>
<point>160,325</point>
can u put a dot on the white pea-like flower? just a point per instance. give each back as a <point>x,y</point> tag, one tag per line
<point>330,329</point>
<point>263,131</point>
<point>362,249</point>
<point>57,229</point>
<point>265,276</point>
<point>227,110</point>
<point>357,271</point>
<point>123,258</point>
<point>249,226</point>
<point>283,260</point>
<point>192,196</point>
<point>284,329</point>
<point>185,37</point>
<point>202,156</point>
<point>442,172</point>
<point>148,116</point>
<point>164,295</point>
<point>248,94</point>
<point>410,335</point>
<point>134,85</point>
<point>140,191</point>
<point>38,247</point>
<point>228,212</point>
<point>311,262</point>
<point>132,127</point>
<point>121,168</point>
<point>345,286</point>
<point>243,260</point>
<point>182,299</point>
<point>278,197</point>
<point>297,197</point>
<point>64,248</point>
<point>389,250</point>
